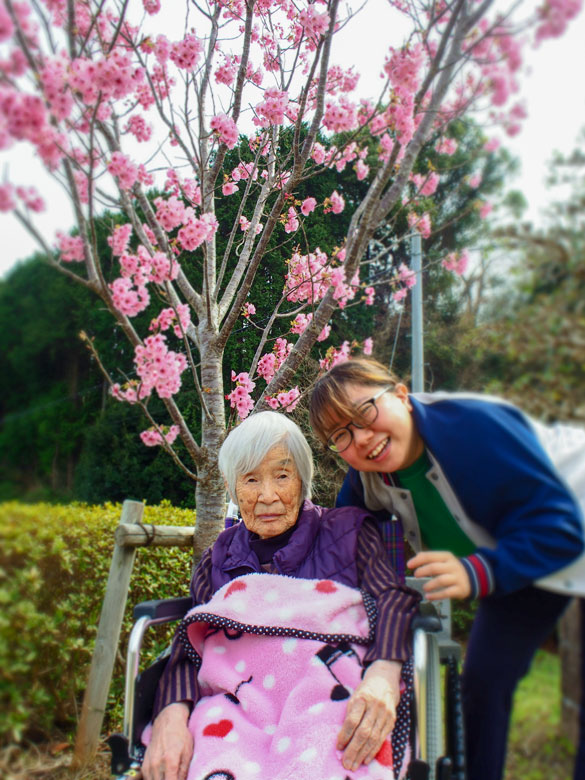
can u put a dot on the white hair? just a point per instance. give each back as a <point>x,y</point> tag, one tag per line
<point>247,445</point>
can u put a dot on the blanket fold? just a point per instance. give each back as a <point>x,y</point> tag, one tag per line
<point>277,660</point>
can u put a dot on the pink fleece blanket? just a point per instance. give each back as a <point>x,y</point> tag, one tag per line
<point>278,658</point>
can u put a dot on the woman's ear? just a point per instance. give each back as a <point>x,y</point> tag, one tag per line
<point>401,392</point>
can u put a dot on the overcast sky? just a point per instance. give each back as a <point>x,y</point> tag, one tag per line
<point>554,94</point>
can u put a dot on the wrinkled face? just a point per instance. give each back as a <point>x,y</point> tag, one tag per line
<point>391,441</point>
<point>269,497</point>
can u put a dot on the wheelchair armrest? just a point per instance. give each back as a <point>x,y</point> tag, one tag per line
<point>163,609</point>
<point>427,619</point>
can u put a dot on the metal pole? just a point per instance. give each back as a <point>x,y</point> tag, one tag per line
<point>418,378</point>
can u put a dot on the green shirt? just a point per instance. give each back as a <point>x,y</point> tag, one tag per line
<point>438,528</point>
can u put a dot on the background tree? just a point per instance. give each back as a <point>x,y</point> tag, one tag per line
<point>107,100</point>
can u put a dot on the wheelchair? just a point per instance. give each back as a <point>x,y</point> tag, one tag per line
<point>436,731</point>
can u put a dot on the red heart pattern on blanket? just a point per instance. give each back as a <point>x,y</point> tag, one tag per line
<point>384,755</point>
<point>220,729</point>
<point>326,586</point>
<point>234,588</point>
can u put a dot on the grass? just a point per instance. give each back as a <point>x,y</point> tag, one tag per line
<point>536,750</point>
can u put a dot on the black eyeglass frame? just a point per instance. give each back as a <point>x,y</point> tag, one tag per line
<point>369,401</point>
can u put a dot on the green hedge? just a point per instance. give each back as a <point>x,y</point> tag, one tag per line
<point>54,563</point>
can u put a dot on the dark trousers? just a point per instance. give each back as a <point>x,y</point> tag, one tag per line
<point>506,633</point>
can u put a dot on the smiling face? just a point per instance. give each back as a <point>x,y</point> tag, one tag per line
<point>392,441</point>
<point>269,496</point>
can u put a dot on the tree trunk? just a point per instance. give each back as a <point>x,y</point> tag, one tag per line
<point>210,491</point>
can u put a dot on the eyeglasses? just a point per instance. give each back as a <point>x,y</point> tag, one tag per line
<point>365,414</point>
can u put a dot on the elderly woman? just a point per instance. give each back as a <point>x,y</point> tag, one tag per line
<point>282,664</point>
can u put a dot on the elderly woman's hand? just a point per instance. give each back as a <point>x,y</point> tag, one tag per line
<point>370,714</point>
<point>171,746</point>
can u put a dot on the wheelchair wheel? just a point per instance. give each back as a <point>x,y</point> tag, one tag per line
<point>429,707</point>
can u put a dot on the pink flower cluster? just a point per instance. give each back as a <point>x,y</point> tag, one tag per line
<point>446,146</point>
<point>340,117</point>
<point>120,239</point>
<point>126,171</point>
<point>426,185</point>
<point>313,24</point>
<point>240,398</point>
<point>334,355</point>
<point>308,205</point>
<point>248,309</point>
<point>456,262</point>
<point>139,128</point>
<point>197,230</point>
<point>168,317</point>
<point>127,299</point>
<point>272,109</point>
<point>151,437</point>
<point>370,295</point>
<point>71,248</point>
<point>185,54</point>
<point>368,346</point>
<point>302,321</point>
<point>403,67</point>
<point>158,367</point>
<point>226,129</point>
<point>291,225</point>
<point>334,203</point>
<point>554,15</point>
<point>422,223</point>
<point>226,72</point>
<point>286,399</point>
<point>306,278</point>
<point>270,362</point>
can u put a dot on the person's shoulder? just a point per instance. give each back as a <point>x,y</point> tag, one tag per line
<point>473,409</point>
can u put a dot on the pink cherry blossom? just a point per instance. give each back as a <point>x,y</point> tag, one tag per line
<point>485,209</point>
<point>7,202</point>
<point>226,129</point>
<point>125,170</point>
<point>308,206</point>
<point>400,294</point>
<point>185,54</point>
<point>197,230</point>
<point>120,238</point>
<point>456,262</point>
<point>292,223</point>
<point>71,248</point>
<point>228,188</point>
<point>368,346</point>
<point>288,400</point>
<point>406,275</point>
<point>337,203</point>
<point>248,309</point>
<point>370,295</point>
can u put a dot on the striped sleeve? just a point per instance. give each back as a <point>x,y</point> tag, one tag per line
<point>396,603</point>
<point>481,576</point>
<point>179,679</point>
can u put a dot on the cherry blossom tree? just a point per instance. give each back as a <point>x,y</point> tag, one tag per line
<point>114,99</point>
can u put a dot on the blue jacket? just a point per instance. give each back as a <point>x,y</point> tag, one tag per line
<point>492,471</point>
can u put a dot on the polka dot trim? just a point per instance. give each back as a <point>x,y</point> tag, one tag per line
<point>219,621</point>
<point>402,731</point>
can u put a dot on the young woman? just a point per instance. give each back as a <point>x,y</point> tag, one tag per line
<point>481,494</point>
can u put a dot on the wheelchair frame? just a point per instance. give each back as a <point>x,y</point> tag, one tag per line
<point>437,735</point>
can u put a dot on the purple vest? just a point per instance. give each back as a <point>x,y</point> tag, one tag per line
<point>322,546</point>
